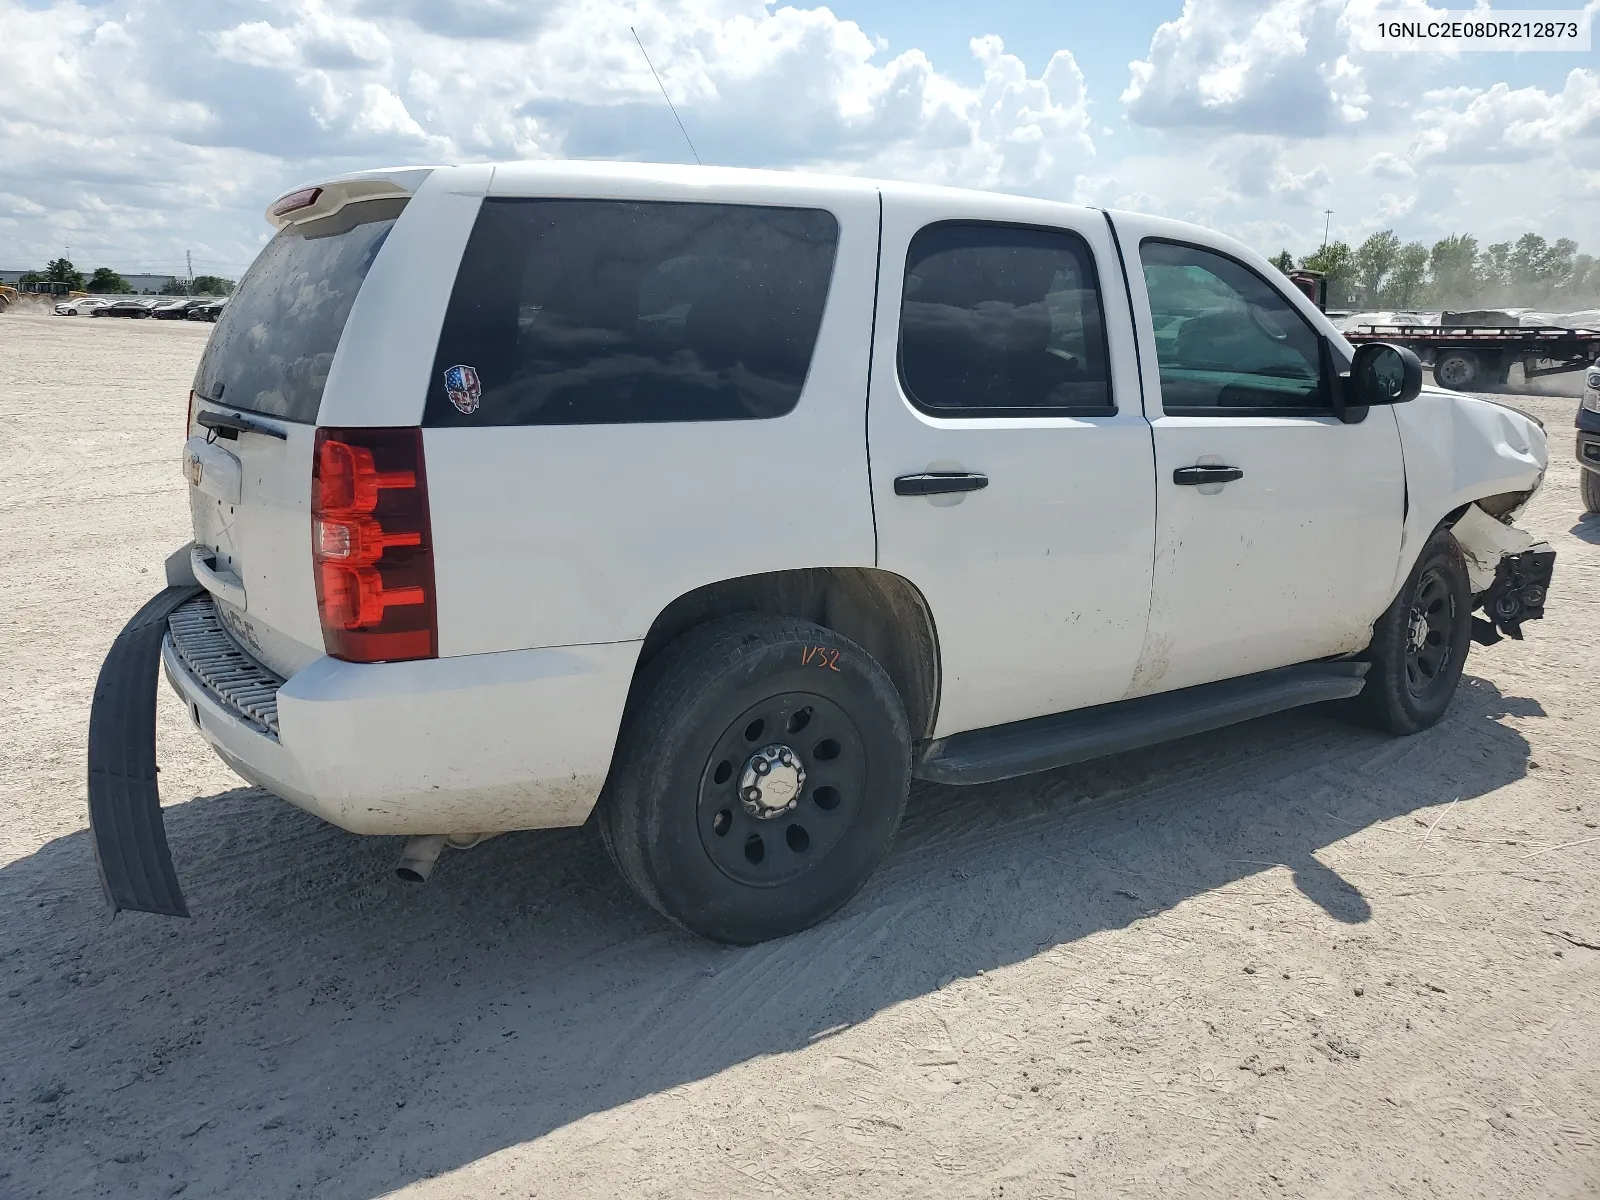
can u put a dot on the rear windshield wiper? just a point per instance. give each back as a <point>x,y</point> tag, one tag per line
<point>231,425</point>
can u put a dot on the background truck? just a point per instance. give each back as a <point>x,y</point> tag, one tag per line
<point>1465,352</point>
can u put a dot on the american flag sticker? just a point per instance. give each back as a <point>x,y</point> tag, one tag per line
<point>461,384</point>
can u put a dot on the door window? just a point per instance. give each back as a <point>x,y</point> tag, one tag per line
<point>581,312</point>
<point>1002,320</point>
<point>1226,341</point>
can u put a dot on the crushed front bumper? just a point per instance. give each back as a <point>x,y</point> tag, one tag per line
<point>1508,571</point>
<point>1521,584</point>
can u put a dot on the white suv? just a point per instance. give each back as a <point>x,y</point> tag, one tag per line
<point>733,500</point>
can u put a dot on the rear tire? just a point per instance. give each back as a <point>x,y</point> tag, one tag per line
<point>759,777</point>
<point>1419,645</point>
<point>1457,370</point>
<point>1589,486</point>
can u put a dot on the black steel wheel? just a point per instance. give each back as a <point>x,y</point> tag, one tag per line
<point>781,788</point>
<point>759,776</point>
<point>1430,629</point>
<point>1419,645</point>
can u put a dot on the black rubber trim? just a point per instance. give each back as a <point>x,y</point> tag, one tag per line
<point>1040,743</point>
<point>130,840</point>
<point>231,425</point>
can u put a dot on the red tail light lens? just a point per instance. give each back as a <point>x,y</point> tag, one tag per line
<point>371,546</point>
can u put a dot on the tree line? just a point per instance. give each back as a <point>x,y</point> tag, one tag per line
<point>106,282</point>
<point>1385,273</point>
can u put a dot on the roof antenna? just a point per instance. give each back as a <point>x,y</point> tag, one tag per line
<point>666,97</point>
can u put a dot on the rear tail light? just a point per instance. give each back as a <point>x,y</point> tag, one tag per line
<point>371,546</point>
<point>188,422</point>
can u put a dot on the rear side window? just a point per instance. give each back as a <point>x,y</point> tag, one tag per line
<point>1002,320</point>
<point>575,312</point>
<point>275,340</point>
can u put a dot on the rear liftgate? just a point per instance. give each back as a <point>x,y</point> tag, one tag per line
<point>130,839</point>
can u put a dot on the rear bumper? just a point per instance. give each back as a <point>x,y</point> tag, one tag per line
<point>474,744</point>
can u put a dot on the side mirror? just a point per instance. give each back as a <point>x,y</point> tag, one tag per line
<point>1383,374</point>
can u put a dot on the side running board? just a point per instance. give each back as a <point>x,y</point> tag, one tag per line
<point>130,839</point>
<point>1040,743</point>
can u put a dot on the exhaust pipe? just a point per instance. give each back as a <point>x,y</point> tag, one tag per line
<point>417,859</point>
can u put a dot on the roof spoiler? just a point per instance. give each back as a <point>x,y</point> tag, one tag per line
<point>312,202</point>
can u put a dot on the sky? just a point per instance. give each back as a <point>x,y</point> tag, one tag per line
<point>134,131</point>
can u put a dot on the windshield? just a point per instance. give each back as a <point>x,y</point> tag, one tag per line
<point>275,340</point>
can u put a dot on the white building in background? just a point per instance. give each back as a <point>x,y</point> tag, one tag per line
<point>144,284</point>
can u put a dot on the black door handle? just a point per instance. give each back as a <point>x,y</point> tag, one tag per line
<point>1189,476</point>
<point>937,483</point>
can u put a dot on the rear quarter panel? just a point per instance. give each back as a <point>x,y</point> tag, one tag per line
<point>379,376</point>
<point>560,535</point>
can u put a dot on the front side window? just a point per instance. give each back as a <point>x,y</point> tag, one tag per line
<point>578,312</point>
<point>1002,320</point>
<point>1225,340</point>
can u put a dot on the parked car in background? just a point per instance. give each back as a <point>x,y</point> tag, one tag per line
<point>179,310</point>
<point>130,307</point>
<point>208,310</point>
<point>1589,440</point>
<point>80,307</point>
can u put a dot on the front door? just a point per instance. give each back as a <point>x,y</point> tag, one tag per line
<point>1011,461</point>
<point>1278,525</point>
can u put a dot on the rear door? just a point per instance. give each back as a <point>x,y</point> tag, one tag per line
<point>1005,364</point>
<point>1278,524</point>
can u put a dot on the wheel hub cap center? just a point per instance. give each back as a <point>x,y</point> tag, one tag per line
<point>1419,631</point>
<point>771,782</point>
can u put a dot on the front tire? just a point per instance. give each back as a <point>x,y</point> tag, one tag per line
<point>1419,645</point>
<point>1589,486</point>
<point>759,777</point>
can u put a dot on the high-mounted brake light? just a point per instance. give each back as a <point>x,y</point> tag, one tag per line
<point>295,201</point>
<point>371,546</point>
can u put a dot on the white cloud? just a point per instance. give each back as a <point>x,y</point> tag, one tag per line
<point>1254,168</point>
<point>270,94</point>
<point>1504,124</point>
<point>1256,114</point>
<point>1387,165</point>
<point>1283,67</point>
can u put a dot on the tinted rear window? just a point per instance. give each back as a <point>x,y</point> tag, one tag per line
<point>274,342</point>
<point>1003,320</point>
<point>569,312</point>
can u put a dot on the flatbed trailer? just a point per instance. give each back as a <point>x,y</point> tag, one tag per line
<point>1464,355</point>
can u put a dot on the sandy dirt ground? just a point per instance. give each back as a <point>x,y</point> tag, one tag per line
<point>1294,958</point>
